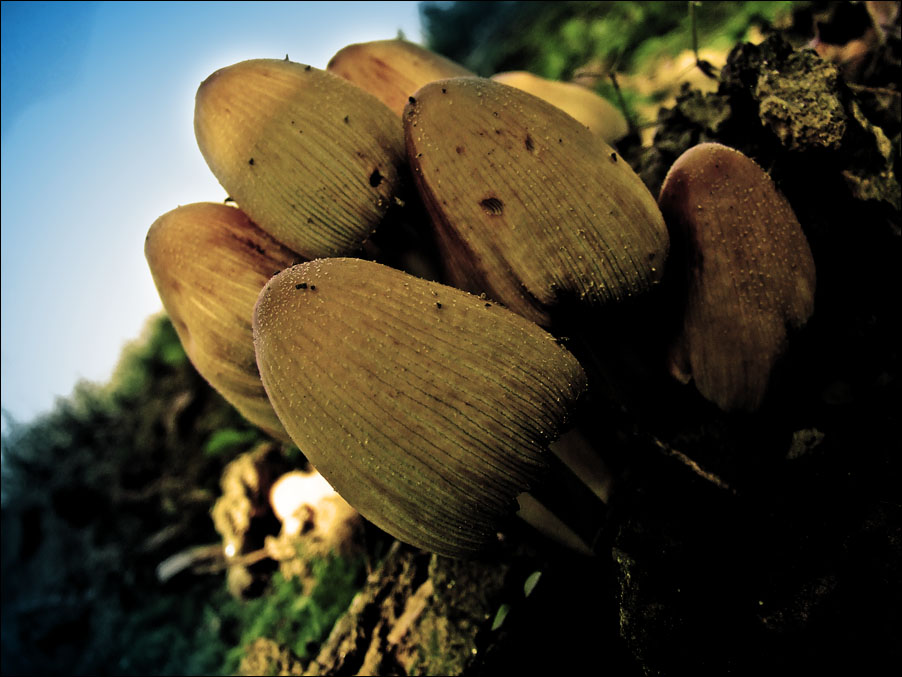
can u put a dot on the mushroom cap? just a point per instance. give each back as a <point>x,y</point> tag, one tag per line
<point>749,273</point>
<point>312,159</point>
<point>597,113</point>
<point>209,263</point>
<point>427,408</point>
<point>528,205</point>
<point>392,70</point>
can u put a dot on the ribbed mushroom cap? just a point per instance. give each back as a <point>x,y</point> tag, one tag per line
<point>209,263</point>
<point>312,159</point>
<point>528,205</point>
<point>594,111</point>
<point>428,409</point>
<point>749,272</point>
<point>392,70</point>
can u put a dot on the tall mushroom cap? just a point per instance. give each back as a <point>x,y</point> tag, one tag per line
<point>427,408</point>
<point>528,205</point>
<point>748,268</point>
<point>594,111</point>
<point>209,263</point>
<point>312,159</point>
<point>392,70</point>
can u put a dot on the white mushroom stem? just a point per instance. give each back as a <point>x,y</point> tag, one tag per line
<point>569,507</point>
<point>578,454</point>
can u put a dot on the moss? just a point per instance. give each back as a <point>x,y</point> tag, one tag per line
<point>157,349</point>
<point>230,440</point>
<point>294,620</point>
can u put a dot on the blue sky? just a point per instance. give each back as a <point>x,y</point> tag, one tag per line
<point>97,142</point>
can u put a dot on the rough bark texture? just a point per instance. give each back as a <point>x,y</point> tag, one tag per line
<point>536,607</point>
<point>418,614</point>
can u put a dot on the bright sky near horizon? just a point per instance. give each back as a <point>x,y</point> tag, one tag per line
<point>98,141</point>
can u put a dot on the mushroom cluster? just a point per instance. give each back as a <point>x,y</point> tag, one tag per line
<point>431,405</point>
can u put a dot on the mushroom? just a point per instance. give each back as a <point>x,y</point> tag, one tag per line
<point>594,111</point>
<point>312,159</point>
<point>528,205</point>
<point>392,70</point>
<point>748,273</point>
<point>297,496</point>
<point>315,519</point>
<point>209,263</point>
<point>429,410</point>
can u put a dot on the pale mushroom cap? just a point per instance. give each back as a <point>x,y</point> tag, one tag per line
<point>392,70</point>
<point>312,159</point>
<point>594,111</point>
<point>209,263</point>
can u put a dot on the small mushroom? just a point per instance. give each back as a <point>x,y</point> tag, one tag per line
<point>296,497</point>
<point>595,112</point>
<point>315,520</point>
<point>312,159</point>
<point>527,204</point>
<point>749,273</point>
<point>392,70</point>
<point>429,410</point>
<point>209,263</point>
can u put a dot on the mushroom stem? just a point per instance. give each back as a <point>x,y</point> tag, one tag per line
<point>578,454</point>
<point>567,507</point>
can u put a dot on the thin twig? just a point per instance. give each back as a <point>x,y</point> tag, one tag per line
<point>694,467</point>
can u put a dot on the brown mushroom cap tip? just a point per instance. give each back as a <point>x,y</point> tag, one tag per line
<point>527,204</point>
<point>749,273</point>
